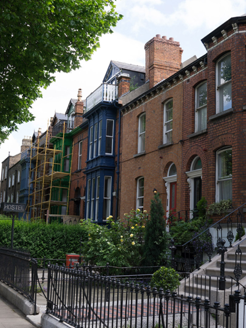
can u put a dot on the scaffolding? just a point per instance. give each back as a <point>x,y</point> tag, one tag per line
<point>49,178</point>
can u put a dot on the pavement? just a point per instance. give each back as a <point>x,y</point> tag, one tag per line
<point>11,317</point>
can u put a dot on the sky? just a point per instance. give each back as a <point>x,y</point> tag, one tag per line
<point>187,21</point>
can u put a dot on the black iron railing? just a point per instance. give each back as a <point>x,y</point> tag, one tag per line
<point>83,299</point>
<point>19,271</point>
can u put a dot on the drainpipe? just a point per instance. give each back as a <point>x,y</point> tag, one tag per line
<point>118,161</point>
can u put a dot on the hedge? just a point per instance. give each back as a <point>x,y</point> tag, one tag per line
<point>53,241</point>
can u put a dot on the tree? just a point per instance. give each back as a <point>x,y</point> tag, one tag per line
<point>40,38</point>
<point>155,236</point>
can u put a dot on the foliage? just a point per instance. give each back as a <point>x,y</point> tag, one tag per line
<point>202,207</point>
<point>203,244</point>
<point>40,38</point>
<point>220,207</point>
<point>53,241</point>
<point>166,278</point>
<point>242,233</point>
<point>115,243</point>
<point>182,231</point>
<point>156,236</point>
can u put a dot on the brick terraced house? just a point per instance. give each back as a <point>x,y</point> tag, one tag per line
<point>185,135</point>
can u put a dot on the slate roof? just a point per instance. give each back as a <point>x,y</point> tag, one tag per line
<point>129,67</point>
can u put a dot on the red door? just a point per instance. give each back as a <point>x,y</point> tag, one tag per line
<point>173,192</point>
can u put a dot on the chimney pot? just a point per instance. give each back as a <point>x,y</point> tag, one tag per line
<point>79,94</point>
<point>164,37</point>
<point>158,35</point>
<point>170,39</point>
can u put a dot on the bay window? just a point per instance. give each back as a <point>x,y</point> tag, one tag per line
<point>109,137</point>
<point>107,197</point>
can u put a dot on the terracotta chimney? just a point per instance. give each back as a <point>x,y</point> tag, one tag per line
<point>123,84</point>
<point>79,110</point>
<point>162,58</point>
<point>26,143</point>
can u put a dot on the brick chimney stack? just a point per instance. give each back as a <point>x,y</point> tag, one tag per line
<point>123,84</point>
<point>162,58</point>
<point>79,110</point>
<point>26,143</point>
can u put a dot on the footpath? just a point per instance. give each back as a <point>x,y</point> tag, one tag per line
<point>11,317</point>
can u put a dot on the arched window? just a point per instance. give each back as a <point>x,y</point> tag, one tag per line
<point>223,84</point>
<point>168,122</point>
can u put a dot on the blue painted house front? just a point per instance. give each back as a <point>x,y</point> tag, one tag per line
<point>102,112</point>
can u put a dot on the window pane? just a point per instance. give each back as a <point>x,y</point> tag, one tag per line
<point>202,95</point>
<point>108,145</point>
<point>169,137</point>
<point>225,164</point>
<point>202,119</point>
<point>225,97</point>
<point>142,142</point>
<point>225,189</point>
<point>142,124</point>
<point>169,105</point>
<point>198,164</point>
<point>173,170</point>
<point>173,188</point>
<point>225,69</point>
<point>140,202</point>
<point>169,125</point>
<point>109,128</point>
<point>169,114</point>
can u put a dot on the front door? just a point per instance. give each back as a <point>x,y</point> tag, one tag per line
<point>173,192</point>
<point>197,191</point>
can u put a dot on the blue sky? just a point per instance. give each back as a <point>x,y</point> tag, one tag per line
<point>187,21</point>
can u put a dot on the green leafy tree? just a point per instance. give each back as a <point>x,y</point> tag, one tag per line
<point>40,38</point>
<point>155,235</point>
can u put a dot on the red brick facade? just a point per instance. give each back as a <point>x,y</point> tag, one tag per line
<point>224,129</point>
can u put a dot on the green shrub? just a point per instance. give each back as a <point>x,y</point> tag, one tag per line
<point>53,241</point>
<point>220,207</point>
<point>166,278</point>
<point>156,238</point>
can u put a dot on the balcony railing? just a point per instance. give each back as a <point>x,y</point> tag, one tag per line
<point>105,92</point>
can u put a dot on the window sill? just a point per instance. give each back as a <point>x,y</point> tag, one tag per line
<point>165,145</point>
<point>218,115</point>
<point>139,154</point>
<point>77,171</point>
<point>198,133</point>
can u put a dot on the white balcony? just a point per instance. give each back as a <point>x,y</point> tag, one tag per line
<point>105,92</point>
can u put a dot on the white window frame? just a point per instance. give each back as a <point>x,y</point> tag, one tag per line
<point>67,159</point>
<point>12,198</point>
<point>90,143</point>
<point>18,176</point>
<point>219,108</point>
<point>13,179</point>
<point>95,138</point>
<point>197,109</point>
<point>109,137</point>
<point>218,196</point>
<point>9,181</point>
<point>192,174</point>
<point>97,197</point>
<point>6,170</point>
<point>88,198</point>
<point>165,122</point>
<point>80,155</point>
<point>100,138</point>
<point>141,134</point>
<point>17,197</point>
<point>138,206</point>
<point>92,198</point>
<point>1,197</point>
<point>107,198</point>
<point>2,174</point>
<point>168,180</point>
<point>4,197</point>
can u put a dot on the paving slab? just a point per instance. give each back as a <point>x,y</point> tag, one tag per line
<point>11,316</point>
